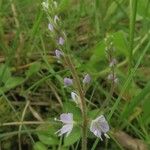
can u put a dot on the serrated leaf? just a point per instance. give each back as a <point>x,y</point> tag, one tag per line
<point>73,137</point>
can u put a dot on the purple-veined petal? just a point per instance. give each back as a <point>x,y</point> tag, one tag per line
<point>99,126</point>
<point>68,81</point>
<point>61,41</point>
<point>66,118</point>
<point>87,78</point>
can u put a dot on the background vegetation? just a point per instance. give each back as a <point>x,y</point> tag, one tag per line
<point>31,80</point>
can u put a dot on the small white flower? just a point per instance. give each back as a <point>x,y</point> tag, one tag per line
<point>50,27</point>
<point>67,120</point>
<point>75,97</point>
<point>100,126</point>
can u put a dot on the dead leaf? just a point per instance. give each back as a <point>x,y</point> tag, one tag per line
<point>129,142</point>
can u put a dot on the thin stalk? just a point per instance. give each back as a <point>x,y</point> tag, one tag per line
<point>83,102</point>
<point>133,10</point>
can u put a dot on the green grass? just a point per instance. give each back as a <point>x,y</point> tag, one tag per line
<point>31,80</point>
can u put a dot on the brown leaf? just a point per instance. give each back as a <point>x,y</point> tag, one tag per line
<point>129,142</point>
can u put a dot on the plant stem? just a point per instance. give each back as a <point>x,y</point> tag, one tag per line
<point>83,102</point>
<point>133,9</point>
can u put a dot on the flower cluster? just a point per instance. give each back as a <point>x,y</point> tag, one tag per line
<point>99,125</point>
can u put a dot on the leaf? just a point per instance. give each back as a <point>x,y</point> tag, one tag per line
<point>48,136</point>
<point>33,69</point>
<point>128,142</point>
<point>120,43</point>
<point>73,137</point>
<point>64,5</point>
<point>94,113</point>
<point>5,73</point>
<point>135,101</point>
<point>39,146</point>
<point>146,111</point>
<point>70,107</point>
<point>12,82</point>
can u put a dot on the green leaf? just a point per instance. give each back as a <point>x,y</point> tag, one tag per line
<point>39,146</point>
<point>135,101</point>
<point>64,5</point>
<point>73,137</point>
<point>33,69</point>
<point>5,73</point>
<point>120,43</point>
<point>70,107</point>
<point>48,136</point>
<point>94,113</point>
<point>12,82</point>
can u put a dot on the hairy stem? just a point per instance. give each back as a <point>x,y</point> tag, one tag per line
<point>83,102</point>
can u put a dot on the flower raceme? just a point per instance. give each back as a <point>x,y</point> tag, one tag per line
<point>67,120</point>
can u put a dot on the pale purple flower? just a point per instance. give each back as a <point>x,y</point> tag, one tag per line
<point>113,62</point>
<point>56,19</point>
<point>87,79</point>
<point>99,126</point>
<point>67,120</point>
<point>68,81</point>
<point>61,41</point>
<point>50,27</point>
<point>75,97</point>
<point>58,53</point>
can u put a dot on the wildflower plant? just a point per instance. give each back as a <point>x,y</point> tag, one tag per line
<point>97,126</point>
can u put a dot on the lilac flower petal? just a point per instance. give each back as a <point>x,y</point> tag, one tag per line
<point>68,81</point>
<point>56,18</point>
<point>75,97</point>
<point>66,118</point>
<point>58,53</point>
<point>66,129</point>
<point>87,79</point>
<point>96,132</point>
<point>99,126</point>
<point>50,27</point>
<point>103,124</point>
<point>61,41</point>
